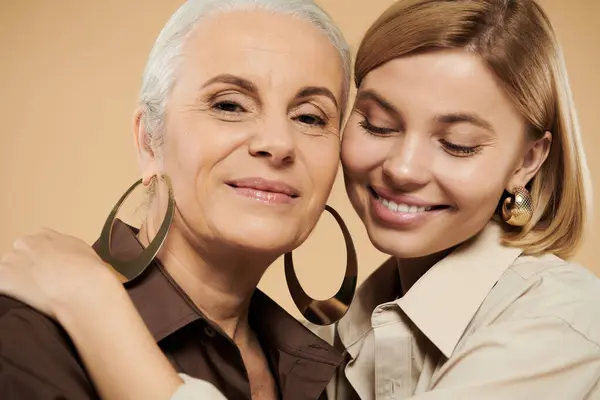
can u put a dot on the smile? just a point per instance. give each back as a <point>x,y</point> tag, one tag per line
<point>402,208</point>
<point>401,211</point>
<point>264,190</point>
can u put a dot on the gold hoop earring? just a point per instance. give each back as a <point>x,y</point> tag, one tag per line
<point>131,269</point>
<point>517,209</point>
<point>326,312</point>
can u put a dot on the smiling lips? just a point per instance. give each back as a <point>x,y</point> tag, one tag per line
<point>401,210</point>
<point>264,190</point>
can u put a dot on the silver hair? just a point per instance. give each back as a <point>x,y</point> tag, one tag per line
<point>161,69</point>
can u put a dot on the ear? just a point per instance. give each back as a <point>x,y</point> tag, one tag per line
<point>535,155</point>
<point>147,161</point>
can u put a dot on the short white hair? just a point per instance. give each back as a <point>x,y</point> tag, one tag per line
<point>163,63</point>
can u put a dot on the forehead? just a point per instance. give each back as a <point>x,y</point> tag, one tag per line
<point>447,81</point>
<point>273,50</point>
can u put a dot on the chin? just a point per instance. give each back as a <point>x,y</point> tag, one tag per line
<point>262,236</point>
<point>404,251</point>
<point>403,245</point>
<point>266,243</point>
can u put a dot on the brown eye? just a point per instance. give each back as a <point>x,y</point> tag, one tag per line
<point>229,107</point>
<point>311,119</point>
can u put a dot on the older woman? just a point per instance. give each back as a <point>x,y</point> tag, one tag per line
<point>463,158</point>
<point>237,136</point>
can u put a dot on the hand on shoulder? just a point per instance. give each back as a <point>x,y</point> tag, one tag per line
<point>53,272</point>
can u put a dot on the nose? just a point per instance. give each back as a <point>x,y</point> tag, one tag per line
<point>408,165</point>
<point>274,141</point>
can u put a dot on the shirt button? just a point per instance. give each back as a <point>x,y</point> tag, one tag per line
<point>210,332</point>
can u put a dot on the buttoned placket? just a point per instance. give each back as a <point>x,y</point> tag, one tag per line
<point>393,353</point>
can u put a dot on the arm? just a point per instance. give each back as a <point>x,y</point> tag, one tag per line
<point>64,278</point>
<point>125,363</point>
<point>542,358</point>
<point>116,347</point>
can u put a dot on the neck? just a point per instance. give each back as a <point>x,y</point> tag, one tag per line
<point>220,282</point>
<point>412,269</point>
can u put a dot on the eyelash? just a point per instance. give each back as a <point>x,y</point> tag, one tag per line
<point>318,121</point>
<point>460,151</point>
<point>219,106</point>
<point>375,130</point>
<point>454,149</point>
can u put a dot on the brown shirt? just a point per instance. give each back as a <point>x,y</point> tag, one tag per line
<point>39,362</point>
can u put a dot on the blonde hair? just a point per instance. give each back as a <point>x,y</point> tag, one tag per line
<point>517,42</point>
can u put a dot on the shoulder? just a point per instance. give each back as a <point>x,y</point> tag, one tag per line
<point>549,265</point>
<point>18,321</point>
<point>26,334</point>
<point>561,284</point>
<point>36,355</point>
<point>8,304</point>
<point>549,288</point>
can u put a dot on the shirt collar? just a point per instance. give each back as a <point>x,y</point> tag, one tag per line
<point>444,300</point>
<point>162,304</point>
<point>304,363</point>
<point>165,308</point>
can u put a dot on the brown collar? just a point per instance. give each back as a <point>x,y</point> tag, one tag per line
<point>296,354</point>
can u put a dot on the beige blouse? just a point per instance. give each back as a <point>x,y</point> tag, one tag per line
<point>484,323</point>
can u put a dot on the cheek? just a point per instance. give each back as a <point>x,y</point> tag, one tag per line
<point>361,153</point>
<point>321,157</point>
<point>195,146</point>
<point>476,184</point>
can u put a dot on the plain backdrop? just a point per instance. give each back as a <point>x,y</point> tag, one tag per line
<point>69,75</point>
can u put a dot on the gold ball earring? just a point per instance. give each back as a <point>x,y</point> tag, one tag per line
<point>517,209</point>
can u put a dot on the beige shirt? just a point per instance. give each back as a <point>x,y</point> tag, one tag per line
<point>196,389</point>
<point>484,323</point>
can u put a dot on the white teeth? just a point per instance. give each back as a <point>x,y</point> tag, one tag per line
<point>403,208</point>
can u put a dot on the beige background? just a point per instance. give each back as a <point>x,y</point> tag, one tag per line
<point>69,75</point>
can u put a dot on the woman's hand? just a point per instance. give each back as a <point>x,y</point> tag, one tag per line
<point>51,272</point>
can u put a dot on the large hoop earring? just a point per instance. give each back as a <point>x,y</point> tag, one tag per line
<point>517,210</point>
<point>325,312</point>
<point>131,269</point>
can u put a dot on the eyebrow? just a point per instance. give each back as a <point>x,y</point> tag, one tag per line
<point>251,88</point>
<point>371,95</point>
<point>452,118</point>
<point>455,118</point>
<point>317,91</point>
<point>229,79</point>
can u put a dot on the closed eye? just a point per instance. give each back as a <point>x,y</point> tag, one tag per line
<point>458,150</point>
<point>376,130</point>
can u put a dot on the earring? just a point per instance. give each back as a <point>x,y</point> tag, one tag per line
<point>130,269</point>
<point>325,312</point>
<point>517,209</point>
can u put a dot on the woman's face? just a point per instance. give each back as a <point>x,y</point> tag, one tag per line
<point>252,132</point>
<point>430,146</point>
